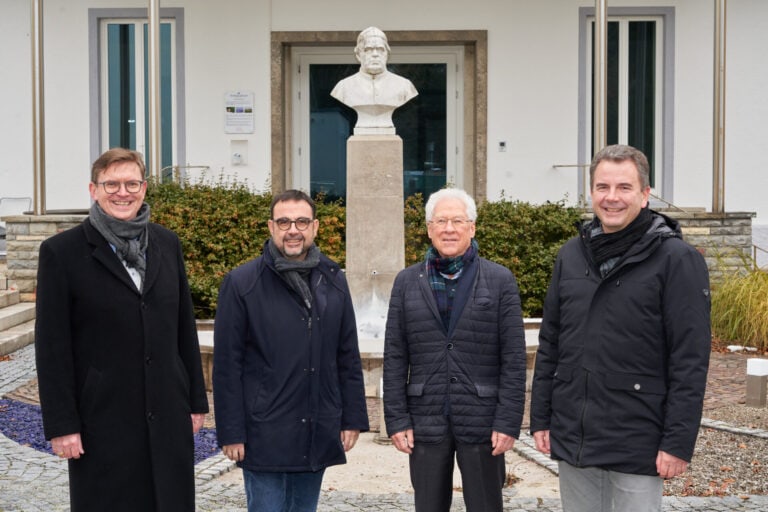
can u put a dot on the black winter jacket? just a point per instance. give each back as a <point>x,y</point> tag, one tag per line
<point>286,383</point>
<point>622,361</point>
<point>474,371</point>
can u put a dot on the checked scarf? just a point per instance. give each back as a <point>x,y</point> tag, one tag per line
<point>439,269</point>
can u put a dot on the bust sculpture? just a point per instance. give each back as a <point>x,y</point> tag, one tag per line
<point>373,92</point>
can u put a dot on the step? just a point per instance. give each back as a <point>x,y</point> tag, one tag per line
<point>15,314</point>
<point>16,337</point>
<point>8,297</point>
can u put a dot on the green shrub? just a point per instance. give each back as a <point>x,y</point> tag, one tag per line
<point>221,225</point>
<point>525,238</point>
<point>224,224</point>
<point>740,308</point>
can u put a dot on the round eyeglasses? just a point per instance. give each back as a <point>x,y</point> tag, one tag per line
<point>457,223</point>
<point>284,223</point>
<point>113,187</point>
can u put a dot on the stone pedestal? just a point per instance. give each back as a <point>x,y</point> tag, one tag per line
<point>375,229</point>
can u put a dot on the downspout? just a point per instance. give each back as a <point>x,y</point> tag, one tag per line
<point>38,110</point>
<point>718,157</point>
<point>155,143</point>
<point>600,78</point>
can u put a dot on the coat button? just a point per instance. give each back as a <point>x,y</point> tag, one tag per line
<point>148,360</point>
<point>454,380</point>
<point>150,416</point>
<point>450,346</point>
<point>637,387</point>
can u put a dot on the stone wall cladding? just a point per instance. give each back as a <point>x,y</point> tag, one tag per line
<point>24,235</point>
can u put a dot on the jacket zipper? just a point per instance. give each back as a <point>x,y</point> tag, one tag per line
<point>582,419</point>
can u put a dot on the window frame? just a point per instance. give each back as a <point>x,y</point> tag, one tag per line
<point>98,106</point>
<point>475,104</point>
<point>664,108</point>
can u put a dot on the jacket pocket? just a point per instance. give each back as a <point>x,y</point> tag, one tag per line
<point>415,389</point>
<point>636,383</point>
<point>487,390</point>
<point>564,373</point>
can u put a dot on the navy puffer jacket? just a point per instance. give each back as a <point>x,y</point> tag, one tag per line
<point>473,372</point>
<point>286,380</point>
<point>622,361</point>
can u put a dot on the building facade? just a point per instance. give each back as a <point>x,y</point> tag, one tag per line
<point>504,110</point>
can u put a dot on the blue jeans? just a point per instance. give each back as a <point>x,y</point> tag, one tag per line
<point>282,492</point>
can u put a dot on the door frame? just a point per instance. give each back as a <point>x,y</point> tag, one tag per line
<point>475,76</point>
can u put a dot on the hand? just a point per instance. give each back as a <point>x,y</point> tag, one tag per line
<point>68,447</point>
<point>349,438</point>
<point>235,452</point>
<point>197,422</point>
<point>669,466</point>
<point>542,441</point>
<point>501,443</point>
<point>403,441</point>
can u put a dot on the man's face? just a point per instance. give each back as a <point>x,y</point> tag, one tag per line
<point>293,243</point>
<point>373,55</point>
<point>122,205</point>
<point>617,196</point>
<point>450,240</point>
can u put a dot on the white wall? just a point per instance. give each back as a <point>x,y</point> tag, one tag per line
<point>15,102</point>
<point>746,155</point>
<point>532,90</point>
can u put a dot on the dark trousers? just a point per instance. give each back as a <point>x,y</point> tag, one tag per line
<point>482,476</point>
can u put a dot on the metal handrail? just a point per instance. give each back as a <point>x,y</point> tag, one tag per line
<point>583,193</point>
<point>178,175</point>
<point>755,249</point>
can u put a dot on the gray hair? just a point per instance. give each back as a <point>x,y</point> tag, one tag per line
<point>451,193</point>
<point>620,153</point>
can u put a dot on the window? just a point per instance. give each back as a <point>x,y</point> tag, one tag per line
<point>639,82</point>
<point>430,124</point>
<point>121,105</point>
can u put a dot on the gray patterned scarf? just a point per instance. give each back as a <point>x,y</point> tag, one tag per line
<point>129,237</point>
<point>296,272</point>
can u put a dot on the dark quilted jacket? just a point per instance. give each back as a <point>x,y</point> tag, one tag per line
<point>474,372</point>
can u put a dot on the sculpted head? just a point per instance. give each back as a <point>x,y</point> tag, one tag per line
<point>372,51</point>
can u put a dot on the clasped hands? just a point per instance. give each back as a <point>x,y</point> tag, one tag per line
<point>500,443</point>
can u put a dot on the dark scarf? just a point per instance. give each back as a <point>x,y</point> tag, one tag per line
<point>438,268</point>
<point>608,248</point>
<point>296,272</point>
<point>129,237</point>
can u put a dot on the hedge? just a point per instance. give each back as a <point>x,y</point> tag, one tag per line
<point>224,224</point>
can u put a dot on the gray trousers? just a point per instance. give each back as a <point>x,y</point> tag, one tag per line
<point>599,490</point>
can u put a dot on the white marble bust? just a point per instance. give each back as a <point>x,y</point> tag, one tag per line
<point>373,91</point>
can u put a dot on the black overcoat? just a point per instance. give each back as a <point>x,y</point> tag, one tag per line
<point>121,367</point>
<point>621,367</point>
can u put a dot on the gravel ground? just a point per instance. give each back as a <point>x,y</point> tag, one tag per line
<point>724,463</point>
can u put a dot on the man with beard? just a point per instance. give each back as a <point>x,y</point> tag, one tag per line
<point>287,377</point>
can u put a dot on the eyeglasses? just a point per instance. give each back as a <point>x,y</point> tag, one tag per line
<point>284,223</point>
<point>113,187</point>
<point>458,223</point>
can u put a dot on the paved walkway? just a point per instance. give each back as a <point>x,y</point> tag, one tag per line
<point>32,481</point>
